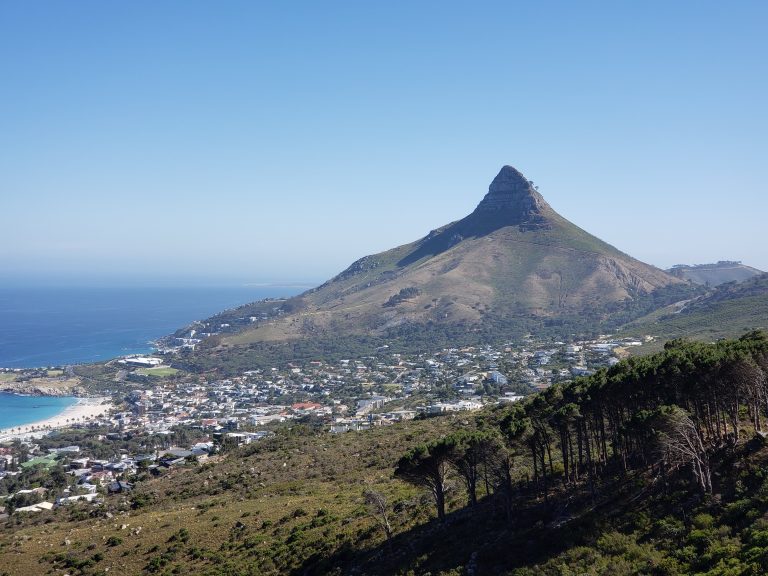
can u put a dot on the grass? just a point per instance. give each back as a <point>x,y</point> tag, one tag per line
<point>55,383</point>
<point>7,377</point>
<point>722,320</point>
<point>48,461</point>
<point>293,505</point>
<point>160,372</point>
<point>267,509</point>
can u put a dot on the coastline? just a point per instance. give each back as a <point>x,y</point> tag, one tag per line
<point>44,387</point>
<point>81,411</point>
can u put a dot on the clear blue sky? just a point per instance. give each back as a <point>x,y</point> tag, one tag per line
<point>257,141</point>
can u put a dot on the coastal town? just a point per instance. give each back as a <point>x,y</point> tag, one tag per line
<point>155,417</point>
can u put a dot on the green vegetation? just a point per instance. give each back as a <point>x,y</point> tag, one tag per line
<point>97,379</point>
<point>47,461</point>
<point>159,372</point>
<point>233,359</point>
<point>265,508</point>
<point>654,466</point>
<point>402,296</point>
<point>728,311</point>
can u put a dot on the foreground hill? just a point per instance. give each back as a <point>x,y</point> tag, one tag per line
<point>714,274</point>
<point>653,466</point>
<point>512,266</point>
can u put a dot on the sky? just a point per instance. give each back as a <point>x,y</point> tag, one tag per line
<point>249,142</point>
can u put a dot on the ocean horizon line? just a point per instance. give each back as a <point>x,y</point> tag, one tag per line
<point>54,327</point>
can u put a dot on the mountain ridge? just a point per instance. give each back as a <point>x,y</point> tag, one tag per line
<point>715,274</point>
<point>510,264</point>
<point>726,311</point>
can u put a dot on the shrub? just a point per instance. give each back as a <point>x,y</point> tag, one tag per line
<point>114,541</point>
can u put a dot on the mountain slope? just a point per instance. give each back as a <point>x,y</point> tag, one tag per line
<point>512,260</point>
<point>583,478</point>
<point>714,274</point>
<point>727,311</point>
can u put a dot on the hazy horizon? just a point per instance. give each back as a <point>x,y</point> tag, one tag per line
<point>191,142</point>
<point>160,282</point>
<point>81,280</point>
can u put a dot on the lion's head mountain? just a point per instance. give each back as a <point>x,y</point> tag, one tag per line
<point>512,266</point>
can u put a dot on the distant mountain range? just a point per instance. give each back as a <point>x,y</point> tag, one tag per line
<point>728,310</point>
<point>714,274</point>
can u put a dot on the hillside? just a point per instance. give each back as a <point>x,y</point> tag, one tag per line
<point>512,266</point>
<point>727,311</point>
<point>588,475</point>
<point>714,274</point>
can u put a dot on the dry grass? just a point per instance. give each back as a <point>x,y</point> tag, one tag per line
<point>56,383</point>
<point>296,495</point>
<point>508,272</point>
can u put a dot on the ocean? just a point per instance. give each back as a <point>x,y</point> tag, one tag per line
<point>58,326</point>
<point>18,410</point>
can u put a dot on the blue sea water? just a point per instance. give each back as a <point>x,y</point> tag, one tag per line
<point>20,410</point>
<point>58,326</point>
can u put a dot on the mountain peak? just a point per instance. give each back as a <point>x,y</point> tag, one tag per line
<point>510,266</point>
<point>513,197</point>
<point>509,178</point>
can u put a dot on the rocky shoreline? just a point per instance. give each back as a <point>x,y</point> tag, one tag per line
<point>39,389</point>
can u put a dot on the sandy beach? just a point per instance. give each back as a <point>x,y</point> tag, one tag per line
<point>83,410</point>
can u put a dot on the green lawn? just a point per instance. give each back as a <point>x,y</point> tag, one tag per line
<point>160,372</point>
<point>47,461</point>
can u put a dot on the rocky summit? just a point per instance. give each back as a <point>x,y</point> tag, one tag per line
<point>511,263</point>
<point>512,198</point>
